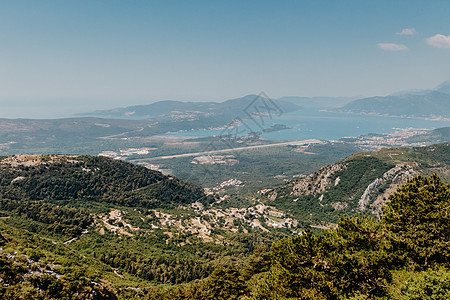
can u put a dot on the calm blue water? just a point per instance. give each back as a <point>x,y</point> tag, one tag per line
<point>309,123</point>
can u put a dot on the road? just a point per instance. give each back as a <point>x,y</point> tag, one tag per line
<point>302,142</point>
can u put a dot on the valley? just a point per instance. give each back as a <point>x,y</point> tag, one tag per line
<point>126,229</point>
<point>158,206</point>
<point>224,150</point>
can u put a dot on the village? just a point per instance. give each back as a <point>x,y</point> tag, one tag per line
<point>400,138</point>
<point>201,221</point>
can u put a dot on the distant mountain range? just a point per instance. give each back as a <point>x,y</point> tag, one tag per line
<point>444,87</point>
<point>420,103</point>
<point>318,102</point>
<point>177,109</point>
<point>96,129</point>
<point>433,103</point>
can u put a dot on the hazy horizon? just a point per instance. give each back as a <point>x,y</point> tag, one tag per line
<point>62,58</point>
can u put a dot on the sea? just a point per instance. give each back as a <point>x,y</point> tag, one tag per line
<point>323,125</point>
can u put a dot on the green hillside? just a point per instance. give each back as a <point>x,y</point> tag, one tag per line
<point>360,183</point>
<point>81,227</point>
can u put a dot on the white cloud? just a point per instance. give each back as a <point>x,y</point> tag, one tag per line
<point>407,31</point>
<point>439,41</point>
<point>392,47</point>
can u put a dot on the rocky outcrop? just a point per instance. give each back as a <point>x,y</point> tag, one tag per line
<point>365,198</point>
<point>319,181</point>
<point>393,178</point>
<point>373,197</point>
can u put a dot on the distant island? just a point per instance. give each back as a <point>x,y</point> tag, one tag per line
<point>276,127</point>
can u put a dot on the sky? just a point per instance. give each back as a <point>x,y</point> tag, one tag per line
<point>63,57</point>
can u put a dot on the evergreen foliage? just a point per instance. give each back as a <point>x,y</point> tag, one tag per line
<point>361,256</point>
<point>53,193</point>
<point>402,255</point>
<point>418,218</point>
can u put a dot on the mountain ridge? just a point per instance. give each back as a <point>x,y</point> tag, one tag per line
<point>165,108</point>
<point>433,103</point>
<point>361,183</point>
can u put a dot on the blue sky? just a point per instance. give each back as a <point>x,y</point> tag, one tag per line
<point>62,57</point>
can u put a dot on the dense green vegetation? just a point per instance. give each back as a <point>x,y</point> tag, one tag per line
<point>46,200</point>
<point>56,193</point>
<point>403,255</point>
<point>34,267</point>
<point>97,179</point>
<point>128,267</point>
<point>344,187</point>
<point>55,242</point>
<point>358,172</point>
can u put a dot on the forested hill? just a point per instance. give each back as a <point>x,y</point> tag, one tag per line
<point>402,255</point>
<point>360,183</point>
<point>66,184</point>
<point>81,227</point>
<point>89,178</point>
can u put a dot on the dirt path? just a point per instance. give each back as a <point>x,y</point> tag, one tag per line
<point>71,240</point>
